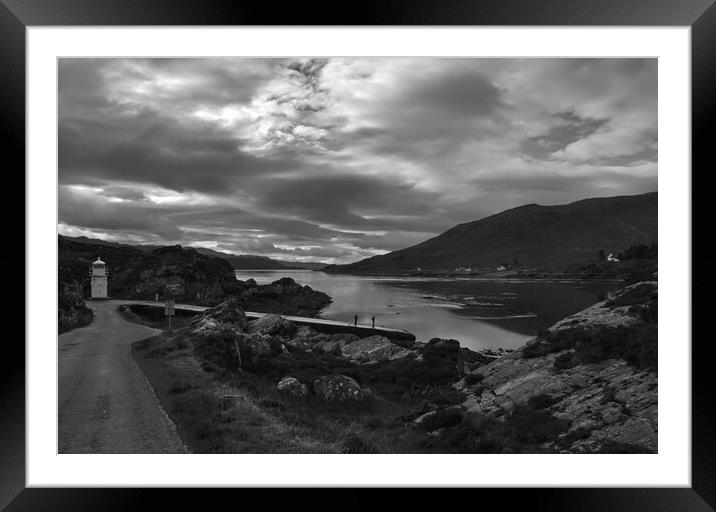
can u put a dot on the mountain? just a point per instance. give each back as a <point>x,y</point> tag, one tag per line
<point>238,261</point>
<point>254,262</point>
<point>530,236</point>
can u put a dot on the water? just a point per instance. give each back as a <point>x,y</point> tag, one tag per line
<point>478,313</point>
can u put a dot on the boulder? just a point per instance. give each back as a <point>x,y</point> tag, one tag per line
<point>274,325</point>
<point>226,317</point>
<point>338,388</point>
<point>255,345</point>
<point>292,386</point>
<point>228,312</point>
<point>372,349</point>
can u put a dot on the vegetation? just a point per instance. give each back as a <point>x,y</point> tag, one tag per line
<point>636,344</point>
<point>71,309</point>
<point>154,316</point>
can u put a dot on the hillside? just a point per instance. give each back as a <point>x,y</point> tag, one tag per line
<point>238,261</point>
<point>255,262</point>
<point>586,385</point>
<point>171,272</point>
<point>529,236</point>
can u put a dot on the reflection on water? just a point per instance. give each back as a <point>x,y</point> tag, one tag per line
<point>478,313</point>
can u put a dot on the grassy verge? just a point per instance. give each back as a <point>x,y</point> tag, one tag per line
<point>153,317</point>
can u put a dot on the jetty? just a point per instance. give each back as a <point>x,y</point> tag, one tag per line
<point>318,324</point>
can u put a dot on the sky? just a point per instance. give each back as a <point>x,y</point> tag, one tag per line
<point>339,159</point>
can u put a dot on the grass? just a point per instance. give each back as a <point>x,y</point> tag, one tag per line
<point>154,316</point>
<point>635,344</point>
<point>525,429</point>
<point>221,406</point>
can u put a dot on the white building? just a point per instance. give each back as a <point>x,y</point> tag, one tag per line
<point>612,258</point>
<point>98,279</point>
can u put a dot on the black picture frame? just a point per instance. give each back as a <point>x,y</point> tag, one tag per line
<point>700,15</point>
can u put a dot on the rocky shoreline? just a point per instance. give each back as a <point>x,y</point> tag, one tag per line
<point>586,385</point>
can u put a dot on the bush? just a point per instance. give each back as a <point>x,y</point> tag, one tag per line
<point>527,425</point>
<point>540,401</point>
<point>635,344</point>
<point>446,397</point>
<point>565,361</point>
<point>443,418</point>
<point>351,442</point>
<point>473,378</point>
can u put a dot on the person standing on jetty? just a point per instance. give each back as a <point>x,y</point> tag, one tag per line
<point>355,321</point>
<point>373,319</point>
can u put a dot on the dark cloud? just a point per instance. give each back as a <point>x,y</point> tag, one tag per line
<point>340,159</point>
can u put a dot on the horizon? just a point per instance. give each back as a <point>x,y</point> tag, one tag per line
<point>316,261</point>
<point>336,160</point>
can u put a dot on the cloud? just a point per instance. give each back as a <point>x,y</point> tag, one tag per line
<point>342,158</point>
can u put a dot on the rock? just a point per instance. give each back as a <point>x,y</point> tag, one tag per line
<point>226,317</point>
<point>373,349</point>
<point>338,388</point>
<point>274,325</point>
<point>228,312</point>
<point>256,345</point>
<point>292,386</point>
<point>608,401</point>
<point>285,297</point>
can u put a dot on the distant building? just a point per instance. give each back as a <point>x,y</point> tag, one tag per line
<point>501,268</point>
<point>612,258</point>
<point>98,279</point>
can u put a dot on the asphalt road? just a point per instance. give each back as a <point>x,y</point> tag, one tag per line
<point>106,404</point>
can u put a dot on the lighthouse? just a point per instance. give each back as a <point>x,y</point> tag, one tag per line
<point>98,277</point>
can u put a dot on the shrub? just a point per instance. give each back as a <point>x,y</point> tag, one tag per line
<point>570,437</point>
<point>527,425</point>
<point>565,361</point>
<point>635,344</point>
<point>639,294</point>
<point>447,396</point>
<point>351,442</point>
<point>540,401</point>
<point>473,378</point>
<point>443,418</point>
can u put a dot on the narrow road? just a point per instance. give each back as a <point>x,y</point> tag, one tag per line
<point>106,405</point>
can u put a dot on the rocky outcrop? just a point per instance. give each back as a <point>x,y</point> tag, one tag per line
<point>581,373</point>
<point>293,387</point>
<point>338,388</point>
<point>225,317</point>
<point>361,351</point>
<point>285,297</point>
<point>275,325</point>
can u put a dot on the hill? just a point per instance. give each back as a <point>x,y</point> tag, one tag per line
<point>528,236</point>
<point>255,262</point>
<point>238,261</point>
<point>174,272</point>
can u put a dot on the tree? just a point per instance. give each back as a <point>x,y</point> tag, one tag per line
<point>601,255</point>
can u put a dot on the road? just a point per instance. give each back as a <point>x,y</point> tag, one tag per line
<point>106,404</point>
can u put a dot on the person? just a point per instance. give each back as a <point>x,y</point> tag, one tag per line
<point>373,319</point>
<point>355,321</point>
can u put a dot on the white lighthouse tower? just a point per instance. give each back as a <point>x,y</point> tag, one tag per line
<point>98,277</point>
